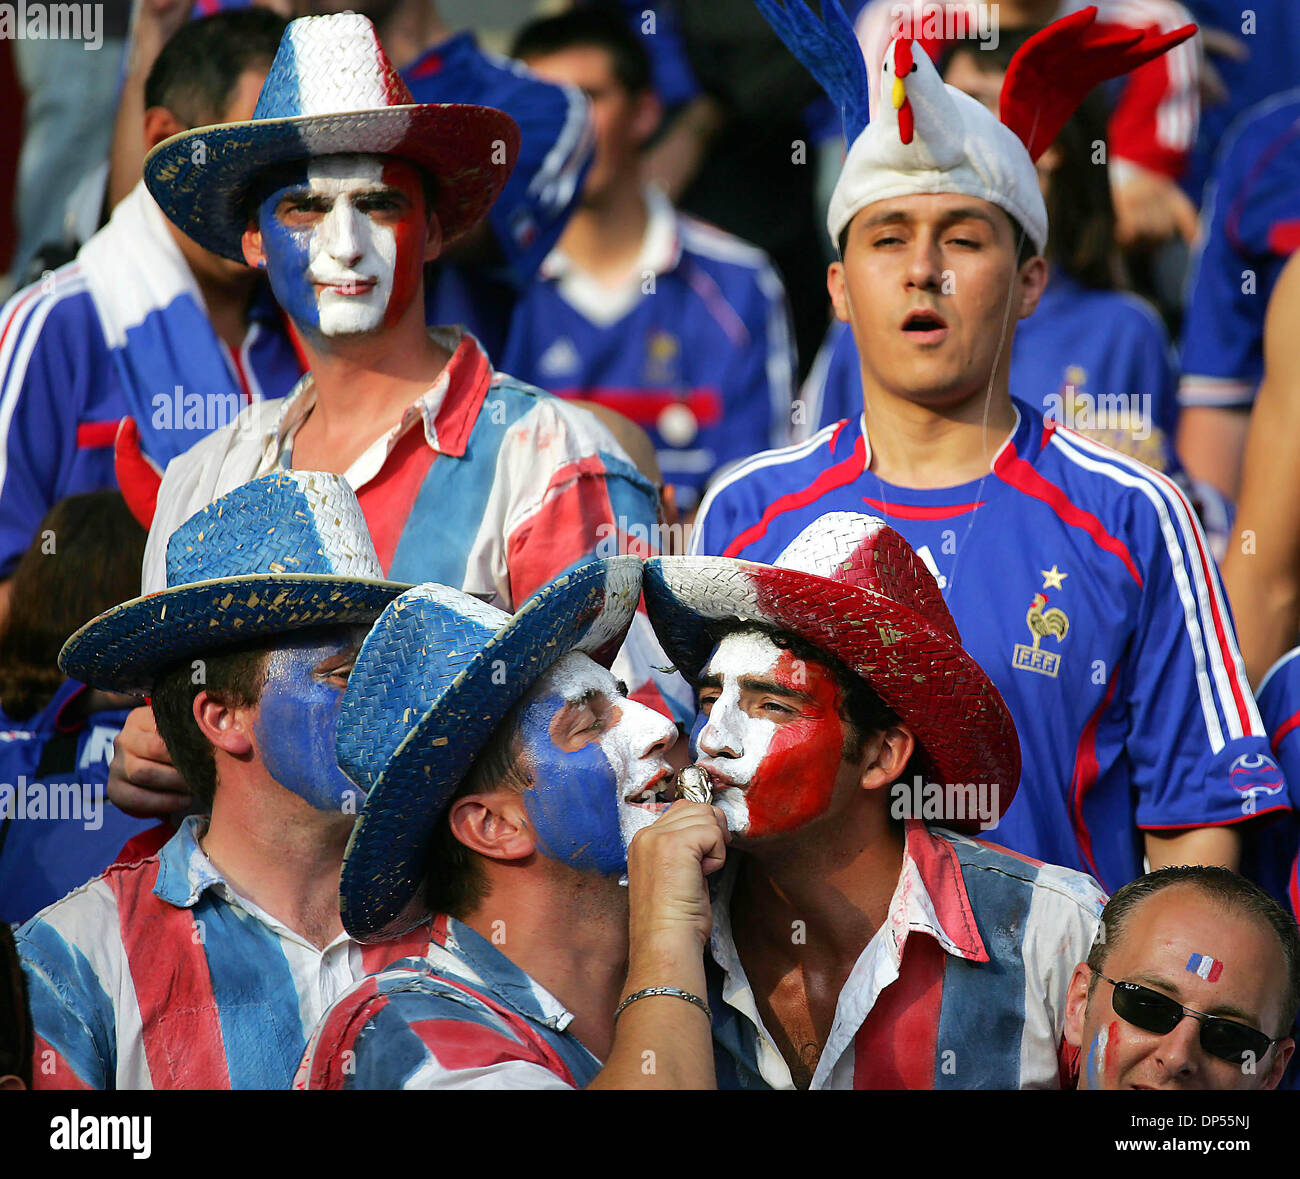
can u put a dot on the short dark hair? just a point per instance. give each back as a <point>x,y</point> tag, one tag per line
<point>1221,885</point>
<point>233,675</point>
<point>454,881</point>
<point>593,26</point>
<point>195,75</point>
<point>84,559</point>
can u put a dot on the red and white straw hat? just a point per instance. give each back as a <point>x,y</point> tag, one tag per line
<point>852,586</point>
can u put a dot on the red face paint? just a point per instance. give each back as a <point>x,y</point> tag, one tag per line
<point>794,782</point>
<point>410,233</point>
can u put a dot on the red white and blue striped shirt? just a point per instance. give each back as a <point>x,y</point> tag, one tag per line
<point>962,987</point>
<point>487,485</point>
<point>158,975</point>
<point>1131,702</point>
<point>461,1017</point>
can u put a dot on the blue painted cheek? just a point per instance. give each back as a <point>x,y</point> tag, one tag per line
<point>295,732</point>
<point>287,258</point>
<point>573,805</point>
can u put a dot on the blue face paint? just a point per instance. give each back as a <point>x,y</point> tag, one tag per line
<point>288,256</point>
<point>574,804</point>
<point>299,714</point>
<point>701,719</point>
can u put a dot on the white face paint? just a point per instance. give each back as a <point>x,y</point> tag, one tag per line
<point>352,259</point>
<point>582,798</point>
<point>745,739</point>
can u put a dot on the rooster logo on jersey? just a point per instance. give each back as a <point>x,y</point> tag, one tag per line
<point>1042,623</point>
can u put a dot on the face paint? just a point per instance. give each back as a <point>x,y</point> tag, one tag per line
<point>299,713</point>
<point>590,749</point>
<point>1096,1067</point>
<point>1203,966</point>
<point>344,243</point>
<point>774,758</point>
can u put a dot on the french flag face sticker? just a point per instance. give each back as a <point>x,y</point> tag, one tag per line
<point>1206,967</point>
<point>344,243</point>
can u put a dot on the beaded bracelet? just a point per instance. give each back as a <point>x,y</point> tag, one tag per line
<point>675,992</point>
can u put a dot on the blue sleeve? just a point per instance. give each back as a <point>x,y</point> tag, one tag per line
<point>759,383</point>
<point>43,384</point>
<point>72,1016</point>
<point>1198,749</point>
<point>1223,330</point>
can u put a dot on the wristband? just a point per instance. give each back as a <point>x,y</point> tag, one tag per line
<point>675,992</point>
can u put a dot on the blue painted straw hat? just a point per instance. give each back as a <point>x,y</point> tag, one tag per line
<point>331,89</point>
<point>282,553</point>
<point>434,678</point>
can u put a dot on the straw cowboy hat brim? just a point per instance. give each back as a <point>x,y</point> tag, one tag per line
<point>125,648</point>
<point>589,609</point>
<point>956,714</point>
<point>202,178</point>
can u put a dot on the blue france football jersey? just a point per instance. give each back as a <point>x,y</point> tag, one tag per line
<point>1252,226</point>
<point>1081,350</point>
<point>1080,580</point>
<point>695,347</point>
<point>527,218</point>
<point>1271,855</point>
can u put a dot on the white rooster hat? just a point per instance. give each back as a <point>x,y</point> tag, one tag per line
<point>928,137</point>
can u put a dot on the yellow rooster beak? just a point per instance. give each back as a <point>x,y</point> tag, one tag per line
<point>898,95</point>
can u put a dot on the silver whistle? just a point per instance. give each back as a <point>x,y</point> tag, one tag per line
<point>693,785</point>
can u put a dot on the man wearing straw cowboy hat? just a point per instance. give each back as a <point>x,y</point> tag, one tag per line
<point>854,946</point>
<point>1101,619</point>
<point>341,189</point>
<point>510,784</point>
<point>206,965</point>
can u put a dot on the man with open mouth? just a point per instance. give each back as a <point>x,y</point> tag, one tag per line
<point>854,946</point>
<point>1080,578</point>
<point>511,787</point>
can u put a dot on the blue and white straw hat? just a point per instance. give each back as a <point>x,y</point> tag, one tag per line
<point>285,552</point>
<point>434,678</point>
<point>331,89</point>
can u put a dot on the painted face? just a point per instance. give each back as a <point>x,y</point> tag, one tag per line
<point>769,734</point>
<point>344,243</point>
<point>596,759</point>
<point>299,712</point>
<point>1182,944</point>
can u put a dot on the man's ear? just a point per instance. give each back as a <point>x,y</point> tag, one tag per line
<point>1031,281</point>
<point>160,124</point>
<point>886,756</point>
<point>649,113</point>
<point>251,243</point>
<point>838,290</point>
<point>494,824</point>
<point>226,726</point>
<point>433,242</point>
<point>1076,1005</point>
<point>1281,1057</point>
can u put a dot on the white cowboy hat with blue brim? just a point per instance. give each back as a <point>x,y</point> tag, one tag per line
<point>281,553</point>
<point>331,90</point>
<point>433,680</point>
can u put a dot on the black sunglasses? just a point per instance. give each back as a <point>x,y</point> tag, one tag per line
<point>1224,1039</point>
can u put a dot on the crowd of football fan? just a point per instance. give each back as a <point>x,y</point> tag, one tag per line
<point>888,407</point>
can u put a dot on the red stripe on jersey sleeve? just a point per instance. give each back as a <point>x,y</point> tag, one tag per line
<point>1283,729</point>
<point>1012,469</point>
<point>829,480</point>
